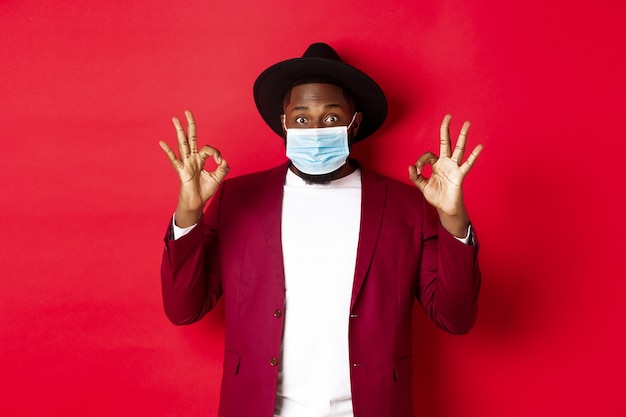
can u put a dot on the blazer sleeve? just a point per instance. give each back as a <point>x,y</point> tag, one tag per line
<point>450,277</point>
<point>190,271</point>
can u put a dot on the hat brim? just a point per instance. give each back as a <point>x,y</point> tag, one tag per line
<point>270,87</point>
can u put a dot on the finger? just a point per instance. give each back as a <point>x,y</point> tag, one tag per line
<point>444,137</point>
<point>183,144</point>
<point>170,155</point>
<point>222,170</point>
<point>222,166</point>
<point>191,132</point>
<point>211,152</point>
<point>465,168</point>
<point>419,181</point>
<point>459,149</point>
<point>427,158</point>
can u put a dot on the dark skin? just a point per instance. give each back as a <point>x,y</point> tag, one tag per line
<point>320,105</point>
<point>324,105</point>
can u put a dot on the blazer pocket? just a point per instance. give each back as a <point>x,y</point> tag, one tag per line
<point>403,369</point>
<point>231,362</point>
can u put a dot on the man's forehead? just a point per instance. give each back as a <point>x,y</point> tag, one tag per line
<point>318,93</point>
<point>316,89</point>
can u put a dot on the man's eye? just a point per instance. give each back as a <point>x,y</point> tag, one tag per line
<point>301,120</point>
<point>332,119</point>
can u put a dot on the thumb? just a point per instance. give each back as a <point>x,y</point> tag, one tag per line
<point>222,170</point>
<point>416,178</point>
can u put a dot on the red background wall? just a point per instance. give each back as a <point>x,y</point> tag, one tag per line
<point>88,88</point>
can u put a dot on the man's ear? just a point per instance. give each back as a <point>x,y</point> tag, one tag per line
<point>283,123</point>
<point>355,124</point>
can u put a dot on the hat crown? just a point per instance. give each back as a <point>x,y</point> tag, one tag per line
<point>322,51</point>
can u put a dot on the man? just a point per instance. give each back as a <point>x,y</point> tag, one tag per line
<point>319,261</point>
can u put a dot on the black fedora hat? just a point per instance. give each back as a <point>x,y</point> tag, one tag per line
<point>319,61</point>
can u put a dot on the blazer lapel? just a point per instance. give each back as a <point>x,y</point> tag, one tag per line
<point>270,217</point>
<point>374,195</point>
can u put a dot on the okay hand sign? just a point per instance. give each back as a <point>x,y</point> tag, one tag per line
<point>197,185</point>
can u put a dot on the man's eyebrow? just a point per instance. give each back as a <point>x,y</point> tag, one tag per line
<point>327,106</point>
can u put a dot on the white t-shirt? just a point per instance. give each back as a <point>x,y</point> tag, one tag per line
<point>320,232</point>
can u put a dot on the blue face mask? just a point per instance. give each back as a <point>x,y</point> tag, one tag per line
<point>318,151</point>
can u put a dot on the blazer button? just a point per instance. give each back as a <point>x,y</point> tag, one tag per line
<point>277,313</point>
<point>273,361</point>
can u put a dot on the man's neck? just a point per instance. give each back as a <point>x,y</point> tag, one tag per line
<point>346,169</point>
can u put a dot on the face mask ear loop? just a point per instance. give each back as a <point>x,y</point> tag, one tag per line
<point>351,121</point>
<point>349,126</point>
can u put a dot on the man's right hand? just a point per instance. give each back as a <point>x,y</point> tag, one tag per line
<point>197,185</point>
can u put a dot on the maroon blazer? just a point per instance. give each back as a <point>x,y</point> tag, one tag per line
<point>403,254</point>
